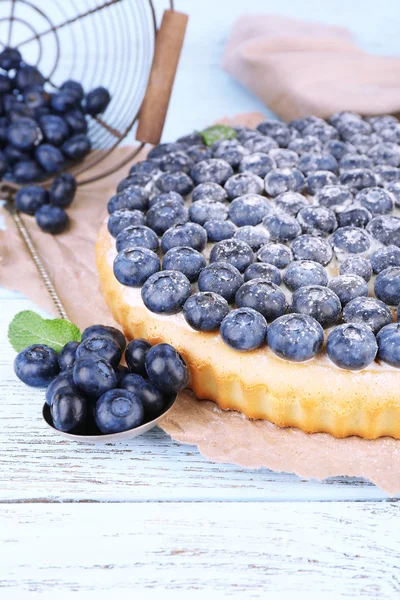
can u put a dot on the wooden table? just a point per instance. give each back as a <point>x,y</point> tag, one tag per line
<point>152,515</point>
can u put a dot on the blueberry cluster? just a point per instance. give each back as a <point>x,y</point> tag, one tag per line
<point>90,392</point>
<point>43,130</point>
<point>271,236</point>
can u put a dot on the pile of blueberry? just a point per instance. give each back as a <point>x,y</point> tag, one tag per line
<point>272,236</point>
<point>43,130</point>
<point>89,392</point>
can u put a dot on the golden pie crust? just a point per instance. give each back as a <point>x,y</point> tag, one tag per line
<point>314,396</point>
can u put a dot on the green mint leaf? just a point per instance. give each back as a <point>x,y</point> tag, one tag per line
<point>27,328</point>
<point>215,133</point>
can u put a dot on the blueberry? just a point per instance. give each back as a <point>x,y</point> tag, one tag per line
<point>121,371</point>
<point>154,402</point>
<point>161,149</point>
<point>337,148</point>
<point>187,234</point>
<point>219,230</point>
<point>136,179</point>
<point>282,157</point>
<point>304,273</point>
<point>377,200</point>
<point>235,252</point>
<point>205,311</point>
<point>385,229</point>
<point>260,143</point>
<point>358,179</point>
<point>51,219</point>
<point>367,311</point>
<point>206,210</point>
<point>62,190</point>
<point>356,265</point>
<point>320,179</point>
<point>263,271</point>
<point>186,260</point>
<point>75,87</point>
<point>257,163</point>
<point>144,167</point>
<point>30,198</point>
<point>249,209</point>
<point>244,329</point>
<point>318,302</point>
<point>387,174</point>
<point>348,287</point>
<point>54,128</point>
<point>28,76</point>
<point>307,247</point>
<point>105,330</point>
<point>64,379</point>
<point>281,226</point>
<point>301,123</point>
<point>295,337</point>
<point>67,355</point>
<point>24,134</point>
<point>388,340</point>
<point>350,240</point>
<point>118,410</point>
<point>123,218</point>
<point>222,278</point>
<point>387,286</point>
<point>133,266</point>
<point>166,292</point>
<point>349,162</point>
<point>49,157</point>
<point>263,296</point>
<point>165,214</point>
<point>290,202</point>
<point>27,170</point>
<point>277,130</point>
<point>166,369</point>
<point>353,215</point>
<point>334,196</point>
<point>37,365</point>
<point>135,355</point>
<point>137,236</point>
<point>166,197</point>
<point>362,142</point>
<point>309,143</point>
<point>13,155</point>
<point>209,191</point>
<point>351,346</point>
<point>191,139</point>
<point>97,101</point>
<point>198,153</point>
<point>312,161</point>
<point>132,198</point>
<point>76,121</point>
<point>255,237</point>
<point>68,410</point>
<point>94,376</point>
<point>103,346</point>
<point>278,255</point>
<point>278,181</point>
<point>211,169</point>
<point>175,162</point>
<point>385,257</point>
<point>349,129</point>
<point>10,58</point>
<point>385,153</point>
<point>382,122</point>
<point>76,147</point>
<point>63,101</point>
<point>229,150</point>
<point>317,220</point>
<point>322,131</point>
<point>243,183</point>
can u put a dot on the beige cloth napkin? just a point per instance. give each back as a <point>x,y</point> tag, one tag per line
<point>300,68</point>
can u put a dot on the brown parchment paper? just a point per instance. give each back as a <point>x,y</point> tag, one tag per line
<point>70,261</point>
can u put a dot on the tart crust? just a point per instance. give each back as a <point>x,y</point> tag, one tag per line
<point>314,396</point>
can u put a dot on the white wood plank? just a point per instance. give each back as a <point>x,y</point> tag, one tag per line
<point>36,464</point>
<point>306,550</point>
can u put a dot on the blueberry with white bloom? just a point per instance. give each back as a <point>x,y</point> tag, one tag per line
<point>353,215</point>
<point>322,131</point>
<point>355,161</point>
<point>191,139</point>
<point>255,237</point>
<point>308,143</point>
<point>311,161</point>
<point>243,183</point>
<point>260,143</point>
<point>307,247</point>
<point>387,174</point>
<point>263,271</point>
<point>186,260</point>
<point>175,182</point>
<point>348,287</point>
<point>385,153</point>
<point>387,286</point>
<point>236,252</point>
<point>211,169</point>
<point>385,229</point>
<point>207,210</point>
<point>304,272</point>
<point>337,148</point>
<point>303,122</point>
<point>281,226</point>
<point>230,150</point>
<point>388,340</point>
<point>284,157</point>
<point>334,197</point>
<point>278,255</point>
<point>394,189</point>
<point>356,265</point>
<point>244,329</point>
<point>160,150</point>
<point>166,292</point>
<point>198,153</point>
<point>350,240</point>
<point>351,346</point>
<point>139,179</point>
<point>362,142</point>
<point>290,202</point>
<point>263,296</point>
<point>186,234</point>
<point>358,179</point>
<point>165,214</point>
<point>320,179</point>
<point>318,302</point>
<point>209,191</point>
<point>222,278</point>
<point>133,266</point>
<point>385,257</point>
<point>317,220</point>
<point>123,218</point>
<point>258,163</point>
<point>205,311</point>
<point>166,197</point>
<point>377,200</point>
<point>348,129</point>
<point>146,167</point>
<point>132,198</point>
<point>249,209</point>
<point>380,122</point>
<point>178,161</point>
<point>288,179</point>
<point>367,311</point>
<point>295,337</point>
<point>137,236</point>
<point>219,230</point>
<point>277,130</point>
